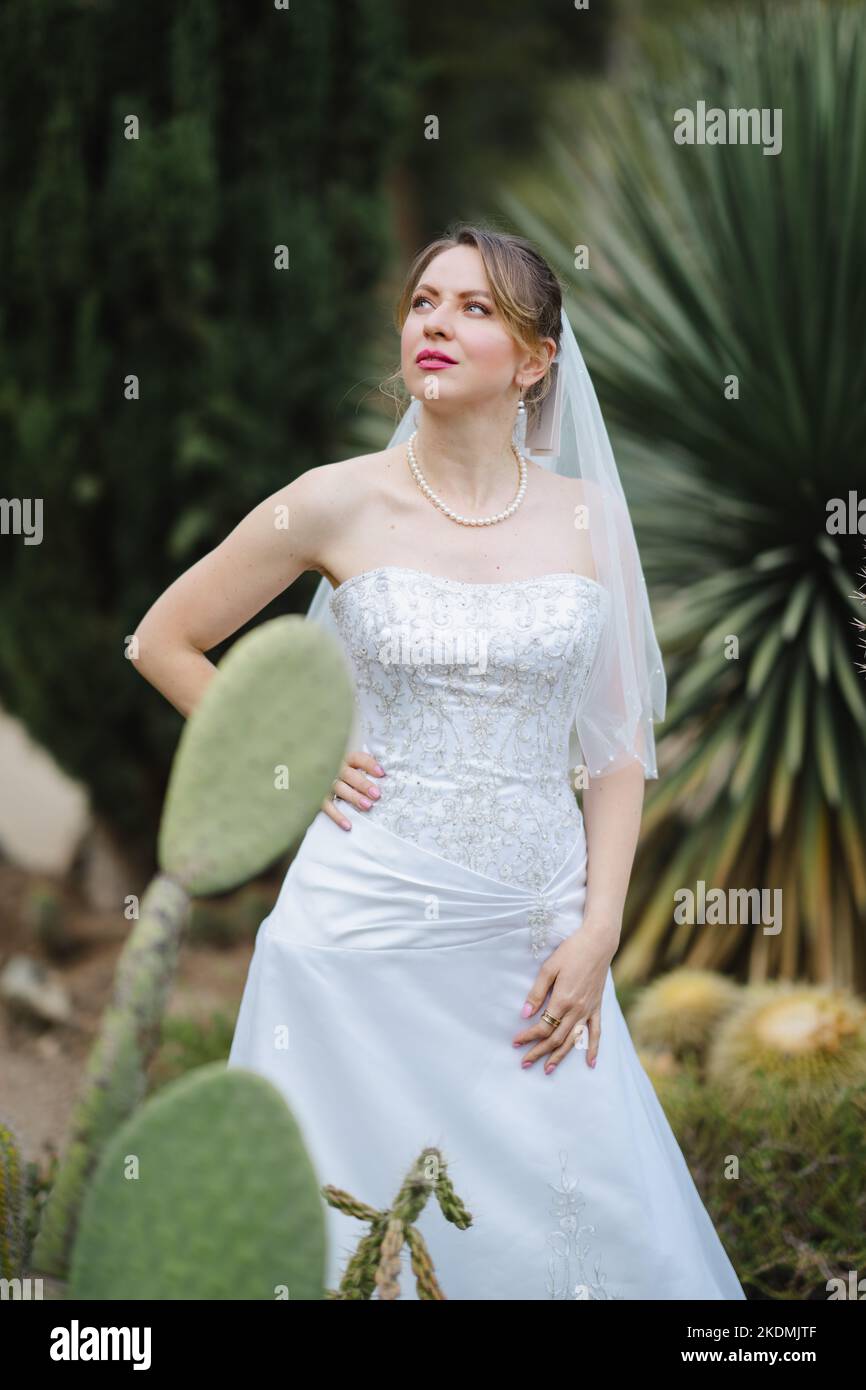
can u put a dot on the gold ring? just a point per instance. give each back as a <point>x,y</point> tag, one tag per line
<point>548,1018</point>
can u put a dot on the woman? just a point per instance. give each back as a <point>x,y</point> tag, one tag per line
<point>436,969</point>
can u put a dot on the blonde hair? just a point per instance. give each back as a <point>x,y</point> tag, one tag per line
<point>525,291</point>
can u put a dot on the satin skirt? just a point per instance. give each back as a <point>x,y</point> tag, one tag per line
<point>382,998</point>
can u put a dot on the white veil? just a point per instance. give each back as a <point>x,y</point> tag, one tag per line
<point>626,687</point>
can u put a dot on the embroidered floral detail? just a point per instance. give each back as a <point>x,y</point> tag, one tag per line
<point>541,917</point>
<point>467,694</point>
<point>568,1276</point>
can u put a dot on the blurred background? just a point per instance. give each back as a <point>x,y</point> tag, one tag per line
<point>152,158</point>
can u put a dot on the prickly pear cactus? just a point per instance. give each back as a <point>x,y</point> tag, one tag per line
<point>255,760</point>
<point>11,1206</point>
<point>206,1193</point>
<point>115,1079</point>
<point>257,756</point>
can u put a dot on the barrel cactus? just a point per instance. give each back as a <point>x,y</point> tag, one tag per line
<point>803,1044</point>
<point>680,1012</point>
<point>254,761</point>
<point>207,1192</point>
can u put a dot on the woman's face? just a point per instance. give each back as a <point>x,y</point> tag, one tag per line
<point>452,313</point>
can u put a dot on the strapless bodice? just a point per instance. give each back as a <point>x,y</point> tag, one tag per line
<point>467,694</point>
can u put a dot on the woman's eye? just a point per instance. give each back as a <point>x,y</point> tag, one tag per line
<point>473,303</point>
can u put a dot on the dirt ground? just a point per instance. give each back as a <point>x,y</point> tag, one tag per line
<point>41,1066</point>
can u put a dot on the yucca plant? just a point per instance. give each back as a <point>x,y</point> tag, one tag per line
<point>722,320</point>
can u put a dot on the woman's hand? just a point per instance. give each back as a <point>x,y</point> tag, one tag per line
<point>352,784</point>
<point>575,973</point>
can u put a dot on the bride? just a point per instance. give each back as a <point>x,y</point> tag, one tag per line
<point>436,968</point>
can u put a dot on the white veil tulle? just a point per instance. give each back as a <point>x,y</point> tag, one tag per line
<point>626,688</point>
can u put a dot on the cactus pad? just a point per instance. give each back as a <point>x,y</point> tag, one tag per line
<point>225,1204</point>
<point>257,755</point>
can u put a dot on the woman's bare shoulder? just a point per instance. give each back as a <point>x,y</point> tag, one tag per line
<point>346,480</point>
<point>575,490</point>
<point>333,500</point>
<point>578,491</point>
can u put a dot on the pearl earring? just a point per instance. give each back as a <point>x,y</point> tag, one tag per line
<point>518,433</point>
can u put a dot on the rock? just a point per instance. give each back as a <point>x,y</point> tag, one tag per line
<point>43,812</point>
<point>28,989</point>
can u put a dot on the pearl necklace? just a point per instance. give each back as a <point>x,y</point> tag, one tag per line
<point>468,520</point>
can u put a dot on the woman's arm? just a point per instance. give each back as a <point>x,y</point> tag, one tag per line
<point>612,807</point>
<point>574,975</point>
<point>277,541</point>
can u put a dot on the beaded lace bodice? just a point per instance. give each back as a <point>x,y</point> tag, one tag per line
<point>467,693</point>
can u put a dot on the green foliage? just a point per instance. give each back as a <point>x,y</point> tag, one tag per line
<point>231,918</point>
<point>710,263</point>
<point>489,72</point>
<point>789,1210</point>
<point>206,1193</point>
<point>212,923</point>
<point>12,1206</point>
<point>187,1043</point>
<point>254,905</point>
<point>153,258</point>
<point>44,916</point>
<point>769,1112</point>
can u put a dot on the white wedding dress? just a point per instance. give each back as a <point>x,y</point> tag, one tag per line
<point>387,982</point>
